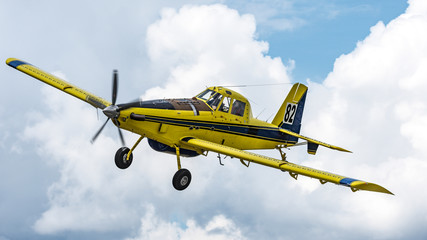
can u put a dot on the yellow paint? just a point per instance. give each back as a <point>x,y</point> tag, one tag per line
<point>60,84</point>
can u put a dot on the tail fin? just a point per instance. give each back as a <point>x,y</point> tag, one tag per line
<point>290,113</point>
<point>289,117</point>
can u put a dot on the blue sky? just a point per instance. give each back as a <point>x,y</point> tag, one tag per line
<point>331,28</point>
<point>363,61</point>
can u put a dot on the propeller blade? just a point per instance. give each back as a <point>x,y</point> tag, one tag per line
<point>112,111</point>
<point>120,132</point>
<point>99,131</point>
<point>115,87</point>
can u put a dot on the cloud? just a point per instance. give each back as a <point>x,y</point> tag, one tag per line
<point>82,166</point>
<point>209,45</point>
<point>377,107</point>
<point>218,228</point>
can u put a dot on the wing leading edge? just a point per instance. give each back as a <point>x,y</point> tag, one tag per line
<point>293,169</point>
<point>58,83</point>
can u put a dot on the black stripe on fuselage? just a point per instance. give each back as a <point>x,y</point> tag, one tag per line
<point>153,104</point>
<point>265,133</point>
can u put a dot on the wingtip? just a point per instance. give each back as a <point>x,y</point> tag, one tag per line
<point>342,149</point>
<point>10,60</point>
<point>14,62</point>
<point>361,185</point>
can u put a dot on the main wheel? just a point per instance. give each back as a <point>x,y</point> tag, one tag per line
<point>181,179</point>
<point>120,158</point>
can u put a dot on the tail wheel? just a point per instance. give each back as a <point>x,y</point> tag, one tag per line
<point>120,158</point>
<point>181,179</point>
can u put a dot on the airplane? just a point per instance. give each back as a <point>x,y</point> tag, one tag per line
<point>216,120</point>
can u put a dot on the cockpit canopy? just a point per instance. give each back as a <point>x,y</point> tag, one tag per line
<point>227,101</point>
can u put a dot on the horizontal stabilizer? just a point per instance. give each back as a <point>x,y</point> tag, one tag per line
<point>313,142</point>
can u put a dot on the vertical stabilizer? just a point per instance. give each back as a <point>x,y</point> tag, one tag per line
<point>290,113</point>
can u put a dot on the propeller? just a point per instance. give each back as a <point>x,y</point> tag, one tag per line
<point>112,111</point>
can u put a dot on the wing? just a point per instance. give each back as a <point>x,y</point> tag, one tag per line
<point>293,169</point>
<point>312,143</point>
<point>58,83</point>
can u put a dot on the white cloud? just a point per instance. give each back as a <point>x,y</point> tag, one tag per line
<point>84,168</point>
<point>210,45</point>
<point>218,228</point>
<point>379,89</point>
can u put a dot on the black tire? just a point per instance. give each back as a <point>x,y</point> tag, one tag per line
<point>181,179</point>
<point>120,158</point>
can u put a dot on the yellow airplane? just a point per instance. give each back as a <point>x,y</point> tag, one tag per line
<point>217,120</point>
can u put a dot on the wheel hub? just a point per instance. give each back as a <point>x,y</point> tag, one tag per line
<point>184,181</point>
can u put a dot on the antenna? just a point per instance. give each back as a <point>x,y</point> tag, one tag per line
<point>260,113</point>
<point>269,117</point>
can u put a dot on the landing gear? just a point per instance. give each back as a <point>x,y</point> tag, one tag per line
<point>124,155</point>
<point>181,179</point>
<point>121,159</point>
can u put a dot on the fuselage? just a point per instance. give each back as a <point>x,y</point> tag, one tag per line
<point>218,115</point>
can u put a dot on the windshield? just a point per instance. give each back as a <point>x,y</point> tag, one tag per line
<point>206,94</point>
<point>214,100</point>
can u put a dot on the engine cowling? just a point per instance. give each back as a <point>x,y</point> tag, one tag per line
<point>160,147</point>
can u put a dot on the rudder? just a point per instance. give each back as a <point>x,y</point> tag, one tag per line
<point>289,116</point>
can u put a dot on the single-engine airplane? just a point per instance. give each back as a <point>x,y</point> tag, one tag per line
<point>217,120</point>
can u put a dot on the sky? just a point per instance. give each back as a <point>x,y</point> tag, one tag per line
<point>364,63</point>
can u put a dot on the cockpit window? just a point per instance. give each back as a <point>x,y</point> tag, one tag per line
<point>214,100</point>
<point>225,106</point>
<point>206,94</point>
<point>238,108</point>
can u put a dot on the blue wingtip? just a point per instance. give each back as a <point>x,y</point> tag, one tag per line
<point>16,63</point>
<point>347,181</point>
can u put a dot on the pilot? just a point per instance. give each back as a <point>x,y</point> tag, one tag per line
<point>214,101</point>
<point>238,108</point>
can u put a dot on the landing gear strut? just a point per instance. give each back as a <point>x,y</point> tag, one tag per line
<point>123,158</point>
<point>182,177</point>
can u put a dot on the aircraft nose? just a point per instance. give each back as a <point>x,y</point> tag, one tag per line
<point>111,111</point>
